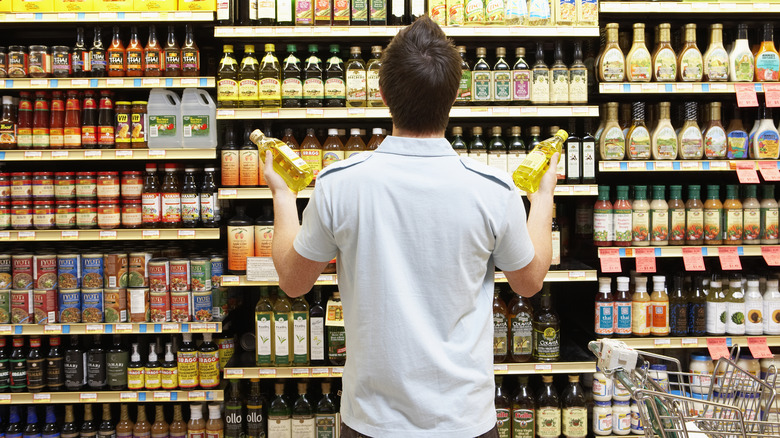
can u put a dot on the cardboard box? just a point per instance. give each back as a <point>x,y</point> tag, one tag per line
<point>33,5</point>
<point>197,5</point>
<point>113,5</point>
<point>74,5</point>
<point>154,5</point>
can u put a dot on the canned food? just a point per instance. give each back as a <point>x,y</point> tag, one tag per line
<point>138,304</point>
<point>219,303</point>
<point>22,271</point>
<point>92,271</point>
<point>115,269</point>
<point>115,305</point>
<point>5,306</point>
<point>136,276</point>
<point>45,306</point>
<point>69,271</point>
<point>69,305</point>
<point>200,274</point>
<point>44,271</point>
<point>202,306</point>
<point>217,270</point>
<point>91,305</point>
<point>180,306</point>
<point>21,307</point>
<point>160,306</point>
<point>5,271</point>
<point>159,275</point>
<point>179,275</point>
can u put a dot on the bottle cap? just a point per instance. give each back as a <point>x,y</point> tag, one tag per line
<point>292,48</point>
<point>496,130</point>
<point>354,50</point>
<point>500,52</point>
<point>658,281</point>
<point>152,352</point>
<point>520,52</point>
<point>270,47</point>
<point>334,48</point>
<point>206,337</point>
<point>333,132</point>
<point>227,48</point>
<point>378,131</point>
<point>461,49</point>
<point>196,411</point>
<point>476,131</point>
<point>481,52</point>
<point>457,130</point>
<point>249,48</point>
<point>516,130</point>
<point>354,132</point>
<point>135,357</point>
<point>169,352</point>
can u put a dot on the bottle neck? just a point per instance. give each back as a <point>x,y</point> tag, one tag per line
<point>612,36</point>
<point>716,36</point>
<point>665,36</point>
<point>639,35</point>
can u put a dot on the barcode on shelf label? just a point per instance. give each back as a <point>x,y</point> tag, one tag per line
<point>150,234</point>
<point>26,235</point>
<point>60,155</point>
<point>196,396</point>
<point>186,234</point>
<point>32,155</point>
<point>500,369</point>
<point>234,372</point>
<point>123,328</point>
<point>123,154</point>
<point>94,328</point>
<point>93,155</point>
<point>41,398</point>
<point>662,341</point>
<point>87,397</point>
<point>128,396</point>
<point>115,82</point>
<point>319,372</point>
<point>336,371</point>
<point>52,328</point>
<point>301,372</point>
<point>689,341</point>
<point>543,367</point>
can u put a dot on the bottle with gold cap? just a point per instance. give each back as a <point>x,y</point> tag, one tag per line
<point>248,92</point>
<point>374,98</point>
<point>270,79</point>
<point>529,174</point>
<point>295,172</point>
<point>356,79</point>
<point>227,80</point>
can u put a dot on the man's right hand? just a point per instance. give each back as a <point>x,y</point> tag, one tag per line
<point>548,182</point>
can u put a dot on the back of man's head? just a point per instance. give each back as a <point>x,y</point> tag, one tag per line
<point>419,77</point>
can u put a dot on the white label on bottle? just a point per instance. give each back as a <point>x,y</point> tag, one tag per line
<point>281,339</point>
<point>317,338</point>
<point>303,428</point>
<point>300,335</point>
<point>499,161</point>
<point>716,318</point>
<point>263,335</point>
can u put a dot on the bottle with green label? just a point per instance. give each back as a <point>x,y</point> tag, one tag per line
<point>283,328</point>
<point>481,78</point>
<point>264,329</point>
<point>501,79</point>
<point>326,416</point>
<point>335,84</point>
<point>548,410</point>
<point>292,80</point>
<point>300,339</point>
<point>523,410</point>
<point>464,89</point>
<point>334,323</point>
<point>503,419</point>
<point>574,410</point>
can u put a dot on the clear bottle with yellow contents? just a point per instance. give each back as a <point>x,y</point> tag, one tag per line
<point>612,63</point>
<point>529,174</point>
<point>270,79</point>
<point>638,61</point>
<point>295,172</point>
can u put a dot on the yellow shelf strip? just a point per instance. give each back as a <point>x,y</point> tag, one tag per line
<point>390,31</point>
<point>650,343</point>
<point>113,397</point>
<point>76,83</point>
<point>108,154</point>
<point>107,235</point>
<point>384,113</point>
<point>95,17</point>
<point>118,328</point>
<point>672,7</point>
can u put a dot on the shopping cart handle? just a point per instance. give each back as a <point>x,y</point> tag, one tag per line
<point>613,355</point>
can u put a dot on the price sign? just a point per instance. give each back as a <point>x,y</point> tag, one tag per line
<point>170,328</point>
<point>123,154</point>
<point>645,260</point>
<point>5,398</point>
<point>758,348</point>
<point>156,153</point>
<point>52,329</point>
<point>543,367</point>
<point>746,172</point>
<point>94,328</point>
<point>123,328</point>
<point>693,259</point>
<point>60,155</point>
<point>769,170</point>
<point>319,372</point>
<point>772,96</point>
<point>150,234</point>
<point>301,372</point>
<point>107,235</point>
<point>196,396</point>
<point>771,255</point>
<point>689,341</point>
<point>746,96</point>
<point>93,155</point>
<point>161,396</point>
<point>228,193</point>
<point>500,369</point>
<point>729,259</point>
<point>32,155</point>
<point>115,82</point>
<point>336,371</point>
<point>26,235</point>
<point>662,341</point>
<point>5,235</point>
<point>610,260</point>
<point>234,372</point>
<point>266,372</point>
<point>153,82</point>
<point>86,397</point>
<point>128,396</point>
<point>717,348</point>
<point>186,234</point>
<point>41,398</point>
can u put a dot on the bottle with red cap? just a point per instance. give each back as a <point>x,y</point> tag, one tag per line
<point>151,199</point>
<point>106,121</point>
<point>89,121</point>
<point>171,198</point>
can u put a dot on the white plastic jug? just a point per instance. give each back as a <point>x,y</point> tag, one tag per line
<point>164,119</point>
<point>199,113</point>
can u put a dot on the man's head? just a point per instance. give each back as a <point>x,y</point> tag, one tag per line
<point>419,77</point>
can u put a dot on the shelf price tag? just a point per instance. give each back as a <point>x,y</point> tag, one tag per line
<point>153,82</point>
<point>662,341</point>
<point>230,280</point>
<point>156,153</point>
<point>610,260</point>
<point>26,235</point>
<point>33,155</point>
<point>758,347</point>
<point>771,255</point>
<point>336,371</point>
<point>123,154</point>
<point>645,260</point>
<point>746,172</point>
<point>544,367</point>
<point>49,329</point>
<point>93,155</point>
<point>86,397</point>
<point>123,328</point>
<point>5,235</point>
<point>234,372</point>
<point>746,96</point>
<point>170,328</point>
<point>228,193</point>
<point>729,259</point>
<point>6,328</point>
<point>107,235</point>
<point>196,396</point>
<point>717,348</point>
<point>301,372</point>
<point>772,95</point>
<point>769,170</point>
<point>500,369</point>
<point>319,372</point>
<point>161,396</point>
<point>128,396</point>
<point>60,155</point>
<point>95,328</point>
<point>150,234</point>
<point>5,398</point>
<point>41,398</point>
<point>115,82</point>
<point>186,234</point>
<point>266,372</point>
<point>693,259</point>
<point>689,341</point>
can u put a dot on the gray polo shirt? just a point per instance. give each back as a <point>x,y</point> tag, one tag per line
<point>417,231</point>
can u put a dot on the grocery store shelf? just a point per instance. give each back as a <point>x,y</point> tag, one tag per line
<point>113,396</point>
<point>70,83</point>
<point>677,251</point>
<point>504,368</point>
<point>330,279</point>
<point>384,113</point>
<point>264,193</point>
<point>390,31</point>
<point>83,235</point>
<point>674,166</point>
<point>119,328</point>
<point>94,17</point>
<point>108,154</point>
<point>671,87</point>
<point>651,343</point>
<point>671,7</point>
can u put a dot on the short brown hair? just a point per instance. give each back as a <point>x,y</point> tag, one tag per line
<point>420,76</point>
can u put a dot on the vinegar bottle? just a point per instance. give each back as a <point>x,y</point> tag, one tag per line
<point>355,144</point>
<point>249,159</point>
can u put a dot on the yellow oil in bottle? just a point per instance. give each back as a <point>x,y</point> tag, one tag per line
<point>529,173</point>
<point>295,172</point>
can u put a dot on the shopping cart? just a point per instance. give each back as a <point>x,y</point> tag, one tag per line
<point>730,403</point>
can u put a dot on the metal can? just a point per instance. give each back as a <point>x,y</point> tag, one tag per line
<point>69,306</point>
<point>202,306</point>
<point>115,266</point>
<point>136,276</point>
<point>22,271</point>
<point>200,274</point>
<point>180,306</point>
<point>44,271</point>
<point>160,306</point>
<point>180,275</point>
<point>159,275</point>
<point>217,270</point>
<point>69,271</point>
<point>5,306</point>
<point>21,307</point>
<point>92,271</point>
<point>6,278</point>
<point>45,306</point>
<point>92,305</point>
<point>138,304</point>
<point>115,305</point>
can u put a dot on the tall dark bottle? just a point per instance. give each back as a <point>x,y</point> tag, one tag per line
<point>15,428</point>
<point>18,366</point>
<point>317,328</point>
<point>172,54</point>
<point>69,427</point>
<point>50,428</point>
<point>117,358</point>
<point>210,212</point>
<point>96,365</point>
<point>80,63</point>
<point>190,54</point>
<point>234,412</point>
<point>255,423</point>
<point>88,426</point>
<point>35,366</point>
<point>32,429</point>
<point>678,308</point>
<point>5,367</point>
<point>107,428</point>
<point>75,372</point>
<point>190,200</point>
<point>97,55</point>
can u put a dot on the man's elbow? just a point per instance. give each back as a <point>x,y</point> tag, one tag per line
<point>291,287</point>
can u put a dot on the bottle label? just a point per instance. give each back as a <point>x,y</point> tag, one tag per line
<point>559,92</point>
<point>751,230</point>
<point>281,427</point>
<point>162,126</point>
<point>457,13</point>
<point>317,338</point>
<point>502,86</point>
<point>614,143</point>
<point>248,90</point>
<point>138,133</point>
<point>588,160</point>
<point>639,67</point>
<point>665,143</point>
<point>715,142</point>
<point>152,60</point>
<point>270,89</point>
<point>712,224</point>
<point>134,58</point>
<point>767,67</point>
<point>575,422</point>
<point>716,65</point>
<point>481,86</point>
<point>691,143</point>
<point>737,144</point>
<point>152,378</point>
<point>622,312</point>
<point>614,67</point>
<point>523,423</point>
<point>208,368</point>
<point>691,65</point>
<point>694,218</point>
<point>521,85</point>
<point>578,86</point>
<point>665,66</point>
<point>640,323</point>
<point>135,378</point>
<point>292,88</point>
<point>604,318</point>
<point>282,338</point>
<point>503,423</point>
<point>548,343</point>
<point>151,208</point>
<point>697,319</point>
<point>475,11</point>
<point>522,335</point>
<point>314,88</point>
<point>300,337</point>
<point>464,89</point>
<point>640,223</point>
<point>572,160</point>
<point>767,142</point>
<point>190,207</point>
<point>337,344</point>
<point>335,89</point>
<point>733,224</point>
<point>312,157</point>
<point>716,318</point>
<point>769,223</point>
<point>540,87</point>
<point>116,61</point>
<point>556,248</point>
<point>660,325</point>
<point>735,320</point>
<point>638,143</point>
<point>660,225</point>
<point>172,60</point>
<point>196,126</point>
<point>500,331</point>
<point>602,225</point>
<point>372,86</point>
<point>171,208</point>
<point>743,66</point>
<point>548,422</point>
<point>187,366</point>
<point>356,85</point>
<point>754,324</point>
<point>190,59</point>
<point>331,157</point>
<point>249,169</point>
<point>677,224</point>
<point>227,89</point>
<point>771,315</point>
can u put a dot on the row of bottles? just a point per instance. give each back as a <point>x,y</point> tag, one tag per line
<point>628,136</point>
<point>178,200</point>
<point>522,333</point>
<point>687,64</point>
<point>674,222</point>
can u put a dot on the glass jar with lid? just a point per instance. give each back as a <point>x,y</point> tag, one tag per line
<point>39,62</point>
<point>43,215</point>
<point>17,62</point>
<point>107,185</point>
<point>86,214</point>
<point>65,214</point>
<point>132,184</point>
<point>60,59</point>
<point>21,185</point>
<point>5,186</point>
<point>123,124</point>
<point>3,62</point>
<point>43,185</point>
<point>701,369</point>
<point>132,213</point>
<point>21,215</point>
<point>5,214</point>
<point>109,214</point>
<point>621,418</point>
<point>86,185</point>
<point>65,185</point>
<point>602,418</point>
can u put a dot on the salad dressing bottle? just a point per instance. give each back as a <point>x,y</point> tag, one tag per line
<point>716,59</point>
<point>659,305</point>
<point>612,143</point>
<point>751,216</point>
<point>659,217</point>
<point>622,216</point>
<point>638,138</point>
<point>612,63</point>
<point>713,210</point>
<point>736,138</point>
<point>638,60</point>
<point>690,139</point>
<point>767,59</point>
<point>715,141</point>
<point>664,139</point>
<point>732,216</point>
<point>735,309</point>
<point>664,58</point>
<point>690,60</point>
<point>765,140</point>
<point>716,309</point>
<point>676,216</point>
<point>769,216</point>
<point>640,217</point>
<point>641,316</point>
<point>741,60</point>
<point>559,75</point>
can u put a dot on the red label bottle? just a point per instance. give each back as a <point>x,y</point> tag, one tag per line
<point>40,130</point>
<point>24,122</point>
<point>106,121</point>
<point>89,121</point>
<point>57,121</point>
<point>72,124</point>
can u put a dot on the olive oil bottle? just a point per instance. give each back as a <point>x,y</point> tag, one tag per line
<point>313,84</point>
<point>548,410</point>
<point>295,172</point>
<point>227,79</point>
<point>530,172</point>
<point>521,79</point>
<point>540,74</point>
<point>356,79</point>
<point>464,89</point>
<point>481,80</point>
<point>374,97</point>
<point>335,84</point>
<point>270,79</point>
<point>477,148</point>
<point>578,77</point>
<point>292,80</point>
<point>501,82</point>
<point>248,90</point>
<point>559,75</point>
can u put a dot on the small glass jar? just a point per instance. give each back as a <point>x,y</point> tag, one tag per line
<point>39,62</point>
<point>637,427</point>
<point>701,369</point>
<point>5,186</point>
<point>602,387</point>
<point>5,215</point>
<point>21,215</point>
<point>109,215</point>
<point>132,184</point>
<point>65,185</point>
<point>138,127</point>
<point>43,215</point>
<point>86,214</point>
<point>621,418</point>
<point>602,418</point>
<point>60,59</point>
<point>108,185</point>
<point>21,185</point>
<point>65,216</point>
<point>17,62</point>
<point>132,213</point>
<point>86,185</point>
<point>123,114</point>
<point>3,62</point>
<point>43,185</point>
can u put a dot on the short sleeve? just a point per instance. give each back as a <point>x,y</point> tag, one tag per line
<point>514,249</point>
<point>315,240</point>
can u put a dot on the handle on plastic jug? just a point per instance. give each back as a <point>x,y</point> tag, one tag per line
<point>171,97</point>
<point>201,95</point>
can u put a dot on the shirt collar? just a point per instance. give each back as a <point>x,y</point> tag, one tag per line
<point>419,147</point>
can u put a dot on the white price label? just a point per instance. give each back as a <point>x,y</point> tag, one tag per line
<point>610,165</point>
<point>39,83</point>
<point>662,341</point>
<point>95,328</point>
<point>5,235</point>
<point>543,367</point>
<point>500,369</point>
<point>576,274</point>
<point>356,111</point>
<point>684,86</point>
<point>663,165</point>
<point>93,155</point>
<point>41,398</point>
<point>301,372</point>
<point>6,328</point>
<point>636,165</point>
<point>123,328</point>
<point>161,396</point>
<point>150,82</point>
<point>52,329</point>
<point>87,397</point>
<point>186,82</point>
<point>230,280</point>
<point>150,234</point>
<point>60,155</point>
<point>234,372</point>
<point>32,155</point>
<point>128,396</point>
<point>115,82</point>
<point>157,153</point>
<point>719,165</point>
<point>107,235</point>
<point>5,398</point>
<point>196,396</point>
<point>186,234</point>
<point>319,372</point>
<point>691,165</point>
<point>123,154</point>
<point>689,341</point>
<point>228,193</point>
<point>26,235</point>
<point>315,112</point>
<point>336,371</point>
<point>79,83</point>
<point>225,113</point>
<point>266,372</point>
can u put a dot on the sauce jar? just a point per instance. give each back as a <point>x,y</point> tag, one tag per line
<point>43,216</point>
<point>123,113</point>
<point>107,185</point>
<point>749,364</point>
<point>60,59</point>
<point>86,185</point>
<point>767,365</point>
<point>21,185</point>
<point>21,215</point>
<point>65,214</point>
<point>17,62</point>
<point>5,215</point>
<point>132,184</point>
<point>86,214</point>
<point>5,186</point>
<point>659,375</point>
<point>43,185</point>
<point>621,418</point>
<point>602,418</point>
<point>602,386</point>
<point>3,62</point>
<point>39,62</point>
<point>64,185</point>
<point>701,369</point>
<point>109,215</point>
<point>637,427</point>
<point>138,127</point>
<point>132,213</point>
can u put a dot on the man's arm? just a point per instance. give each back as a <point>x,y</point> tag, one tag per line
<point>529,280</point>
<point>297,274</point>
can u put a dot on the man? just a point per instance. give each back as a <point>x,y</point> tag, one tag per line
<point>418,232</point>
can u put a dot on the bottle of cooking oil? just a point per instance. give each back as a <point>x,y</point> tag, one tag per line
<point>528,175</point>
<point>270,79</point>
<point>373,97</point>
<point>356,79</point>
<point>227,80</point>
<point>248,94</point>
<point>295,172</point>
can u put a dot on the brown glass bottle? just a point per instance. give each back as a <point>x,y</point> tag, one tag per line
<point>124,428</point>
<point>69,428</point>
<point>178,428</point>
<point>521,317</point>
<point>135,54</point>
<point>190,54</point>
<point>160,427</point>
<point>35,366</point>
<point>503,408</point>
<point>500,327</point>
<point>548,410</point>
<point>311,152</point>
<point>523,410</point>
<point>106,429</point>
<point>142,428</point>
<point>547,330</point>
<point>172,54</point>
<point>170,192</point>
<point>575,411</point>
<point>153,55</point>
